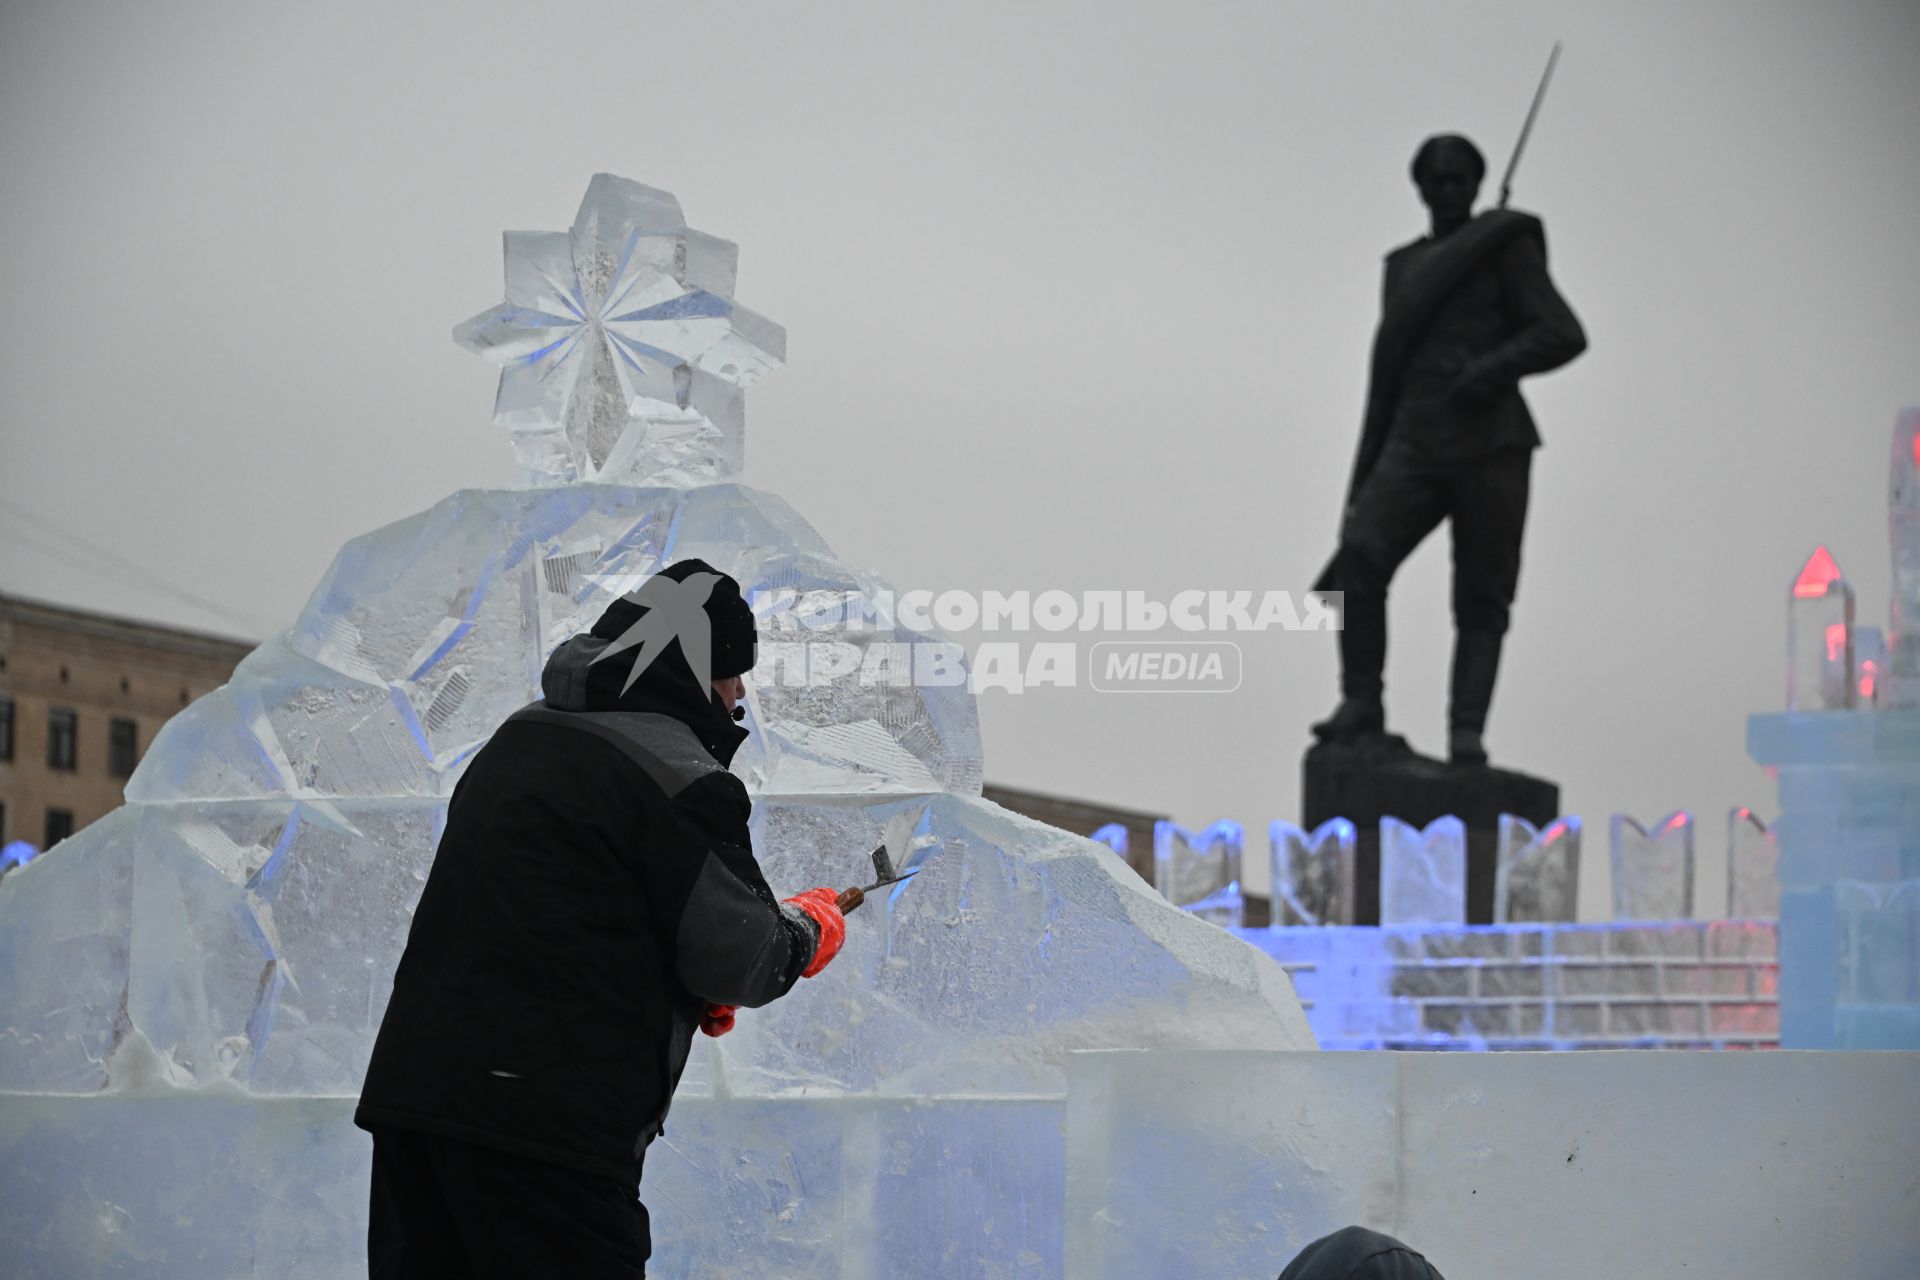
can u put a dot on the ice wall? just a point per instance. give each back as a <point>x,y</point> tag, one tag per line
<point>1849,870</point>
<point>1702,1166</point>
<point>227,1184</point>
<point>1680,984</point>
<point>1204,1166</point>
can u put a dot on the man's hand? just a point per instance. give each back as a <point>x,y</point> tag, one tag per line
<point>823,906</point>
<point>718,1019</point>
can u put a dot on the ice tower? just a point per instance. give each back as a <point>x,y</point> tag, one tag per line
<point>193,983</point>
<point>1848,761</point>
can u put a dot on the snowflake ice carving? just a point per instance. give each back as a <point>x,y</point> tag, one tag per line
<point>623,356</point>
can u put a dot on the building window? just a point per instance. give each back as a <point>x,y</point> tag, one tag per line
<point>122,747</point>
<point>59,827</point>
<point>62,730</point>
<point>6,728</point>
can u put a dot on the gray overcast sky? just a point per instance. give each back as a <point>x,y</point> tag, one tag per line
<point>1078,296</point>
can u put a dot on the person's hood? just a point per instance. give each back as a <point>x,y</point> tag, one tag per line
<point>574,681</point>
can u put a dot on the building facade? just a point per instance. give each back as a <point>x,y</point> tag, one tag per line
<point>81,696</point>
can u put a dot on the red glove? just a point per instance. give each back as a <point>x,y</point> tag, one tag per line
<point>718,1019</point>
<point>824,906</point>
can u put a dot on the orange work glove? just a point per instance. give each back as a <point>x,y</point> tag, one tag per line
<point>718,1019</point>
<point>824,906</point>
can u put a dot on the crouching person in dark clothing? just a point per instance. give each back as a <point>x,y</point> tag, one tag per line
<point>593,901</point>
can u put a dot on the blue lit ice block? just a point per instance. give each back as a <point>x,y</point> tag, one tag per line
<point>1538,875</point>
<point>1312,873</point>
<point>1199,871</point>
<point>1652,868</point>
<point>1849,833</point>
<point>1423,873</point>
<point>1673,984</point>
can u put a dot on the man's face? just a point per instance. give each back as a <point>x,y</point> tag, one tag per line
<point>731,690</point>
<point>1448,182</point>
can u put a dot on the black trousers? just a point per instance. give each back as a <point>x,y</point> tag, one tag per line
<point>1402,500</point>
<point>443,1209</point>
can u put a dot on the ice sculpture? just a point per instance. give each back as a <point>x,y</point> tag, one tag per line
<point>1652,870</point>
<point>1848,792</point>
<point>1013,944</point>
<point>1900,683</point>
<point>623,356</point>
<point>1200,871</point>
<point>1423,874</point>
<point>1537,877</point>
<point>1753,867</point>
<point>1312,875</point>
<point>233,929</point>
<point>1849,787</point>
<point>1820,637</point>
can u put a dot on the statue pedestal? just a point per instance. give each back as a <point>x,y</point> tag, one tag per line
<point>1364,782</point>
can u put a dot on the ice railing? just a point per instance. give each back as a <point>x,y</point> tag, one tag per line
<point>1535,979</point>
<point>1423,871</point>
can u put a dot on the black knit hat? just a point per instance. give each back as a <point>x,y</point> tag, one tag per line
<point>732,634</point>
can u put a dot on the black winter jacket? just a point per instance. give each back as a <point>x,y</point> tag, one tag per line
<point>594,889</point>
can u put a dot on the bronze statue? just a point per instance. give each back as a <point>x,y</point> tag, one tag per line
<point>1467,311</point>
